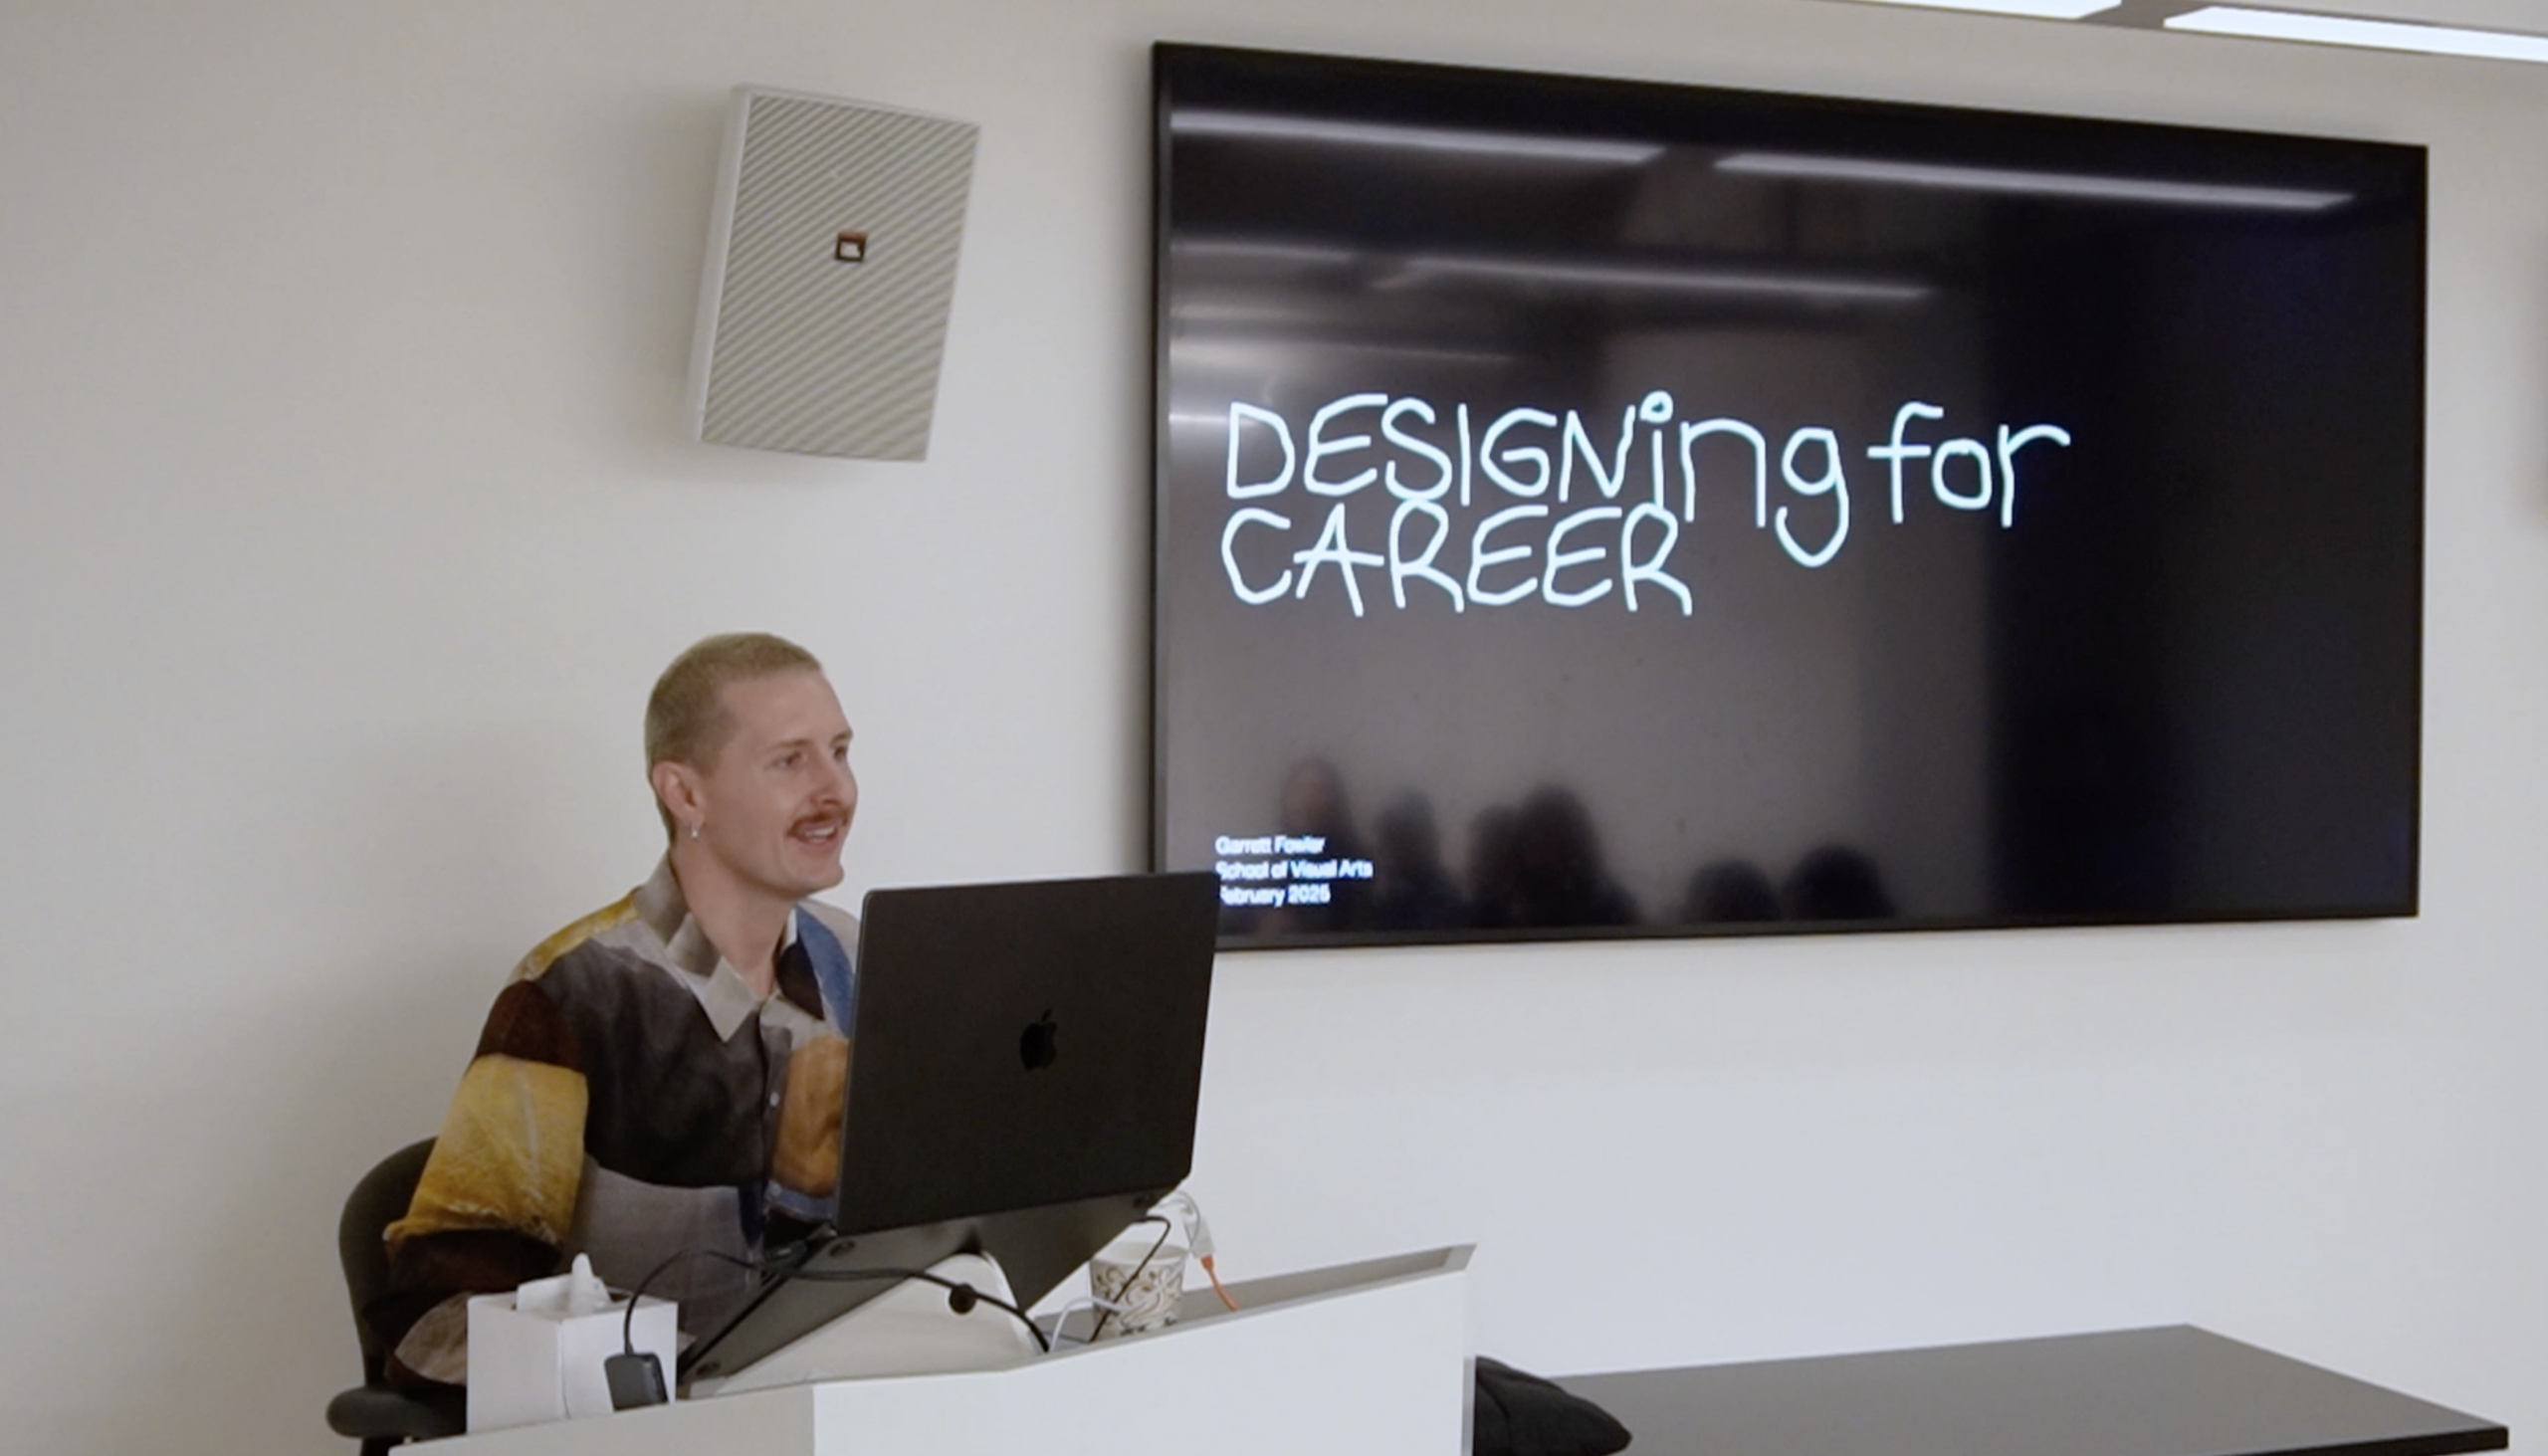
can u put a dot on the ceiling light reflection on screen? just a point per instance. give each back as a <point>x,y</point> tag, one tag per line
<point>2382,35</point>
<point>2035,184</point>
<point>1585,151</point>
<point>1652,278</point>
<point>1261,250</point>
<point>1249,356</point>
<point>1270,314</point>
<point>2036,9</point>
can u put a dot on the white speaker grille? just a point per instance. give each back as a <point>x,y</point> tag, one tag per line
<point>809,353</point>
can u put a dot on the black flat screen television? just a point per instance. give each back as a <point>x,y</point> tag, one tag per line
<point>1590,508</point>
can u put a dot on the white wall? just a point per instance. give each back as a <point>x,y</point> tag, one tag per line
<point>344,517</point>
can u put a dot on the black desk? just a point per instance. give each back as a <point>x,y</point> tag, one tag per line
<point>2174,1392</point>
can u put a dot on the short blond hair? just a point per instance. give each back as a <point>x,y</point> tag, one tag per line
<point>687,720</point>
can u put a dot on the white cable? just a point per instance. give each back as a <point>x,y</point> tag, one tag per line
<point>1198,1241</point>
<point>1198,1234</point>
<point>1084,1301</point>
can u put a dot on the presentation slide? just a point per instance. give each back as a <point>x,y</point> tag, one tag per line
<point>1588,507</point>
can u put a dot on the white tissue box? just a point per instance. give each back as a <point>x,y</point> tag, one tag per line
<point>526,1366</point>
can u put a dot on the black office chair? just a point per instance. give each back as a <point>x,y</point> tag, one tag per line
<point>371,1412</point>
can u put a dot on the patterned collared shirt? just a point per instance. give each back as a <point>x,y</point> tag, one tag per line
<point>630,1098</point>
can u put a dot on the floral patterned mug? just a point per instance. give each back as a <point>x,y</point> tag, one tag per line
<point>1145,1286</point>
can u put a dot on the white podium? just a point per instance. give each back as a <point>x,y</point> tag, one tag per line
<point>1371,1356</point>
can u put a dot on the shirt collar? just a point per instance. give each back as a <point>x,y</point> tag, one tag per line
<point>692,958</point>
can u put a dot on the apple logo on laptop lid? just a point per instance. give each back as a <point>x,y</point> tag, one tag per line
<point>1035,1044</point>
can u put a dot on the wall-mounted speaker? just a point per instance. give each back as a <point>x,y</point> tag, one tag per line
<point>831,268</point>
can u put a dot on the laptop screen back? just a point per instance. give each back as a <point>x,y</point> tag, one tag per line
<point>1025,1044</point>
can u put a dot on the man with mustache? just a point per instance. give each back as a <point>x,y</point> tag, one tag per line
<point>663,1075</point>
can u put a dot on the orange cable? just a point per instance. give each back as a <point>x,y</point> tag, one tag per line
<point>1209,1272</point>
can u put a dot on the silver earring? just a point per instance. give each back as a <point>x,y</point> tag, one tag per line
<point>693,829</point>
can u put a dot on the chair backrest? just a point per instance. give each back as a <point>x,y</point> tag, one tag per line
<point>381,1200</point>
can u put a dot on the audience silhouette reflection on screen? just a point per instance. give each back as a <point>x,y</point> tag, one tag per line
<point>1539,866</point>
<point>1411,889</point>
<point>1729,892</point>
<point>1835,883</point>
<point>1315,806</point>
<point>1534,865</point>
